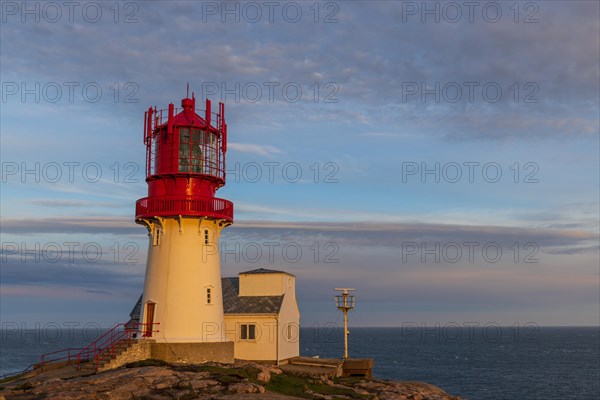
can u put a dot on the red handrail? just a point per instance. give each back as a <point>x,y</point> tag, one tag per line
<point>108,341</point>
<point>71,354</point>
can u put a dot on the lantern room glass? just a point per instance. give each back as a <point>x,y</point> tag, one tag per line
<point>197,151</point>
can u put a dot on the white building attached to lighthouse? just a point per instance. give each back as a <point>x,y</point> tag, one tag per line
<point>261,315</point>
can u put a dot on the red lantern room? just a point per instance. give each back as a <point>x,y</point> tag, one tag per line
<point>185,162</point>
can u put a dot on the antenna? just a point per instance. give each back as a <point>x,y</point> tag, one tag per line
<point>345,302</point>
<point>187,91</point>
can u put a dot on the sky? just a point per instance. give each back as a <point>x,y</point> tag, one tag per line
<point>440,157</point>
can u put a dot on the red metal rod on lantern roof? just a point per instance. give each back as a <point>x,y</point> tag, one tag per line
<point>149,124</point>
<point>207,112</point>
<point>170,120</point>
<point>224,143</point>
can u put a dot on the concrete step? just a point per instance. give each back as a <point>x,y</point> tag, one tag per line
<point>108,355</point>
<point>315,362</point>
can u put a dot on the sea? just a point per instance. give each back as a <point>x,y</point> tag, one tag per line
<point>475,362</point>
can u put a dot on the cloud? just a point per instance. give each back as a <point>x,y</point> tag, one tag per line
<point>96,276</point>
<point>368,68</point>
<point>363,250</point>
<point>356,233</point>
<point>261,150</point>
<point>393,235</point>
<point>576,250</point>
<point>368,71</point>
<point>52,203</point>
<point>71,225</point>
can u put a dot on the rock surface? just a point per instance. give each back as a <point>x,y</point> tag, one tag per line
<point>155,380</point>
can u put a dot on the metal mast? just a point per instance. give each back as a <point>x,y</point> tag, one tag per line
<point>345,302</point>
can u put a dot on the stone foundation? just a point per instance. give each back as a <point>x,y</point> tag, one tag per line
<point>140,350</point>
<point>177,353</point>
<point>193,353</point>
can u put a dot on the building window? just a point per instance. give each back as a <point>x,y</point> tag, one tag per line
<point>248,331</point>
<point>208,296</point>
<point>289,331</point>
<point>206,237</point>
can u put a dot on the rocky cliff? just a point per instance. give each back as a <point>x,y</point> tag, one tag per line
<point>156,380</point>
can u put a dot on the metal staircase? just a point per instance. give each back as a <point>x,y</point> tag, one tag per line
<point>101,351</point>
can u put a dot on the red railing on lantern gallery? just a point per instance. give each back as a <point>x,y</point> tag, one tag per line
<point>212,207</point>
<point>106,344</point>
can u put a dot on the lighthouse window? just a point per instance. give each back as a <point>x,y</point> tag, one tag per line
<point>208,296</point>
<point>206,236</point>
<point>156,237</point>
<point>190,149</point>
<point>184,149</point>
<point>197,151</point>
<point>210,160</point>
<point>248,332</point>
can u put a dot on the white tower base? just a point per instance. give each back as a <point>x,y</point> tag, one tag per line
<point>183,300</point>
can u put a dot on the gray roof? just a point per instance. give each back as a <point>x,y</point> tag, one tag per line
<point>232,302</point>
<point>264,271</point>
<point>137,309</point>
<point>235,304</point>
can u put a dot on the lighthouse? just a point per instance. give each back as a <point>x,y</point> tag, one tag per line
<point>185,166</point>
<point>187,312</point>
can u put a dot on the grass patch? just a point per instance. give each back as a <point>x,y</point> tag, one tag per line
<point>68,378</point>
<point>228,379</point>
<point>349,380</point>
<point>293,385</point>
<point>331,390</point>
<point>290,385</point>
<point>224,374</point>
<point>11,378</point>
<point>24,386</point>
<point>191,395</point>
<point>150,362</point>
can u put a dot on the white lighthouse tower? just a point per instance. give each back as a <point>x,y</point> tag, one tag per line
<point>185,165</point>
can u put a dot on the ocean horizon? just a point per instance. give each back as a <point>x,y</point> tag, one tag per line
<point>476,363</point>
